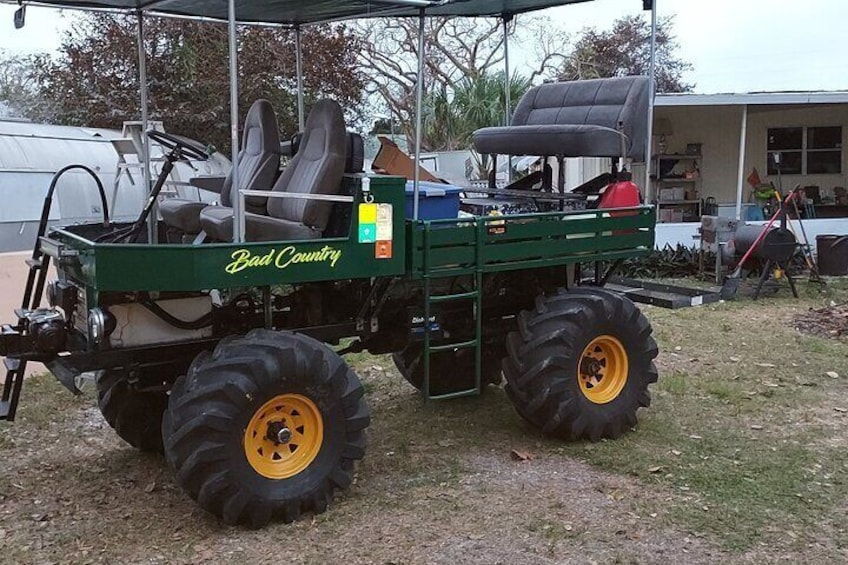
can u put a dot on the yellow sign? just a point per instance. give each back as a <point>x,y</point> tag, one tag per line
<point>367,213</point>
<point>243,259</point>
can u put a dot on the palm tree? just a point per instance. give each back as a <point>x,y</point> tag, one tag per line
<point>476,102</point>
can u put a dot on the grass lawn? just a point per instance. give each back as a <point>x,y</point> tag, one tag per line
<point>741,458</point>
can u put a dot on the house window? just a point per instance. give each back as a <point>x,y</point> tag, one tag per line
<point>808,151</point>
<point>824,150</point>
<point>788,143</point>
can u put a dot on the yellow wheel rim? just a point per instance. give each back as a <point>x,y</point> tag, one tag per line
<point>284,436</point>
<point>602,370</point>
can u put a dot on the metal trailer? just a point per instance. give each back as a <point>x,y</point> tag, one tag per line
<point>218,354</point>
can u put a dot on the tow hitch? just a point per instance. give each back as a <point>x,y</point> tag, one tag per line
<point>38,335</point>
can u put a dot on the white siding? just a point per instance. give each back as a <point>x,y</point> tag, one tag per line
<point>718,129</point>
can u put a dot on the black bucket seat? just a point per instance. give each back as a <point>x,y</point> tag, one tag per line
<point>317,168</point>
<point>258,166</point>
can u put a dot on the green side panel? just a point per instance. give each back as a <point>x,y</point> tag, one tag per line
<point>166,267</point>
<point>531,240</point>
<point>530,250</point>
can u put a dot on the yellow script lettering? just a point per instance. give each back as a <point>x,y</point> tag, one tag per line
<point>243,259</point>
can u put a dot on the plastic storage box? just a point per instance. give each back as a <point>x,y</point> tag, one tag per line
<point>436,201</point>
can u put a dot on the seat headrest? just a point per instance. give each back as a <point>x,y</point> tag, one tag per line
<point>260,129</point>
<point>355,153</point>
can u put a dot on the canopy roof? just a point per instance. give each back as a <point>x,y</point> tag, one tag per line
<point>297,12</point>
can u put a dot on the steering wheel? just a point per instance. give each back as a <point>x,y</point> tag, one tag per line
<point>185,146</point>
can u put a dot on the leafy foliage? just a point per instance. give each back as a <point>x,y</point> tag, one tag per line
<point>463,52</point>
<point>669,262</point>
<point>458,50</point>
<point>475,102</point>
<point>18,84</point>
<point>94,81</point>
<point>624,50</point>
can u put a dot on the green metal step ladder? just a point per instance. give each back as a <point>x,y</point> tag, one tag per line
<point>475,295</point>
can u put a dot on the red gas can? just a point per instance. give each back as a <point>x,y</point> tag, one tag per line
<point>621,194</point>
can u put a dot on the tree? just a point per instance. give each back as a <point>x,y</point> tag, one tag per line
<point>95,82</point>
<point>381,126</point>
<point>458,49</point>
<point>625,50</point>
<point>18,85</point>
<point>475,102</point>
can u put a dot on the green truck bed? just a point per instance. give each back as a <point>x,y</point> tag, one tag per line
<point>444,247</point>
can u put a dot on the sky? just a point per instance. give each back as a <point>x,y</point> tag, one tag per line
<point>733,45</point>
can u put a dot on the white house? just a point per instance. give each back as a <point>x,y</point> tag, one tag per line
<point>714,142</point>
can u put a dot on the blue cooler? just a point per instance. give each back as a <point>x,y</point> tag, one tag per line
<point>436,200</point>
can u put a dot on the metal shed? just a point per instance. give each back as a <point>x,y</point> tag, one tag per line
<point>30,154</point>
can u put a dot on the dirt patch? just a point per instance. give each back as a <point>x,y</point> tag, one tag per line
<point>741,458</point>
<point>438,485</point>
<point>830,321</point>
<point>13,275</point>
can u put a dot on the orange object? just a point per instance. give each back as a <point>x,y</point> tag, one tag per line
<point>390,160</point>
<point>383,250</point>
<point>621,194</point>
<point>754,178</point>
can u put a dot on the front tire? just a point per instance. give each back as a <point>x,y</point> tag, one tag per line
<point>136,415</point>
<point>580,365</point>
<point>266,428</point>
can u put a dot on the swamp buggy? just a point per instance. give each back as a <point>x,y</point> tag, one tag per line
<point>228,356</point>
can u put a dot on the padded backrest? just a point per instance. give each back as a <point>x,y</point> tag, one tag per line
<point>354,151</point>
<point>258,157</point>
<point>316,168</point>
<point>601,102</point>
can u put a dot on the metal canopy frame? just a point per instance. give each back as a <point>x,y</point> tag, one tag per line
<point>419,108</point>
<point>152,228</point>
<point>238,202</point>
<point>652,82</point>
<point>506,18</point>
<point>303,12</point>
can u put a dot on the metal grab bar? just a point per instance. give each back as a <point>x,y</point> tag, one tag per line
<point>270,194</point>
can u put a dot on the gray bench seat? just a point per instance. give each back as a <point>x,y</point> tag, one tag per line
<point>574,119</point>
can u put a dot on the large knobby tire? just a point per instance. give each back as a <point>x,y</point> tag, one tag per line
<point>580,365</point>
<point>266,427</point>
<point>450,371</point>
<point>136,416</point>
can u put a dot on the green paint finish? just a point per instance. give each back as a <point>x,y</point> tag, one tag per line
<point>456,246</point>
<point>537,240</point>
<point>166,267</point>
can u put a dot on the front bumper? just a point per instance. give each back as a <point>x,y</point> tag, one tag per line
<point>10,341</point>
<point>39,334</point>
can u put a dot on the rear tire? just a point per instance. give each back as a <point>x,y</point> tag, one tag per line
<point>450,371</point>
<point>266,427</point>
<point>580,365</point>
<point>136,416</point>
